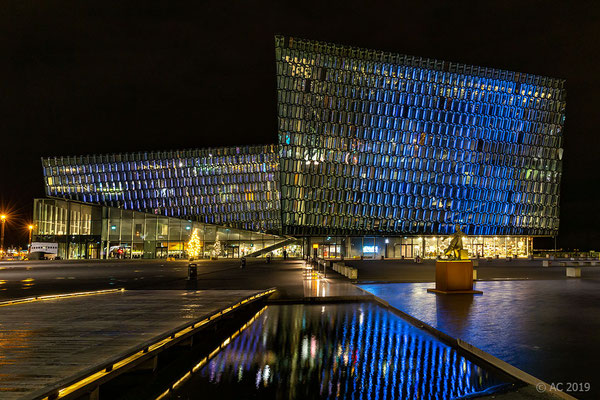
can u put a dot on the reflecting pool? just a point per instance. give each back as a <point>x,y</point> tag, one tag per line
<point>346,351</point>
<point>547,328</point>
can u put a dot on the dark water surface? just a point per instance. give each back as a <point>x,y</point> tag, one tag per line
<point>345,351</point>
<point>547,328</point>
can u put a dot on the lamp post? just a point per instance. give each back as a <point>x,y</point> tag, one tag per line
<point>3,219</point>
<point>30,227</point>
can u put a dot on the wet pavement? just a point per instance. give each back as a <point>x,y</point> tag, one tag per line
<point>319,287</point>
<point>34,278</point>
<point>353,351</point>
<point>547,328</point>
<point>44,342</point>
<point>292,278</point>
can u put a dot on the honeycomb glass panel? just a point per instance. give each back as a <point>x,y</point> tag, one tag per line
<point>426,145</point>
<point>236,187</point>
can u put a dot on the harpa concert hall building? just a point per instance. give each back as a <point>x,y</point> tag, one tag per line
<point>379,154</point>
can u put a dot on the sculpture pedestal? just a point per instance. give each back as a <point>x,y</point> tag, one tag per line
<point>454,277</point>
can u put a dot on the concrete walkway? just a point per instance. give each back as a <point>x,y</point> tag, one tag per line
<point>46,341</point>
<point>409,271</point>
<point>295,281</point>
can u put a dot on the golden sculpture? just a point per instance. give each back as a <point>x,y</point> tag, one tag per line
<point>455,250</point>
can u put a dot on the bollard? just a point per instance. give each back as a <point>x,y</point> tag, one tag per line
<point>268,259</point>
<point>353,273</point>
<point>243,262</point>
<point>192,271</point>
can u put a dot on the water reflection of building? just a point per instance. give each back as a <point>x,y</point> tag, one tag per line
<point>379,154</point>
<point>339,351</point>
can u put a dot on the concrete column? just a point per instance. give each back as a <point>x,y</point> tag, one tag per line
<point>107,234</point>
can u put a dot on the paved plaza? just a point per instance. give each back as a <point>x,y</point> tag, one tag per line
<point>292,278</point>
<point>494,269</point>
<point>44,342</point>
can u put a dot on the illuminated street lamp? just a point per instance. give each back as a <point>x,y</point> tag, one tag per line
<point>3,219</point>
<point>30,227</point>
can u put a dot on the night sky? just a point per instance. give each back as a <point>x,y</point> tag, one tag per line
<point>81,77</point>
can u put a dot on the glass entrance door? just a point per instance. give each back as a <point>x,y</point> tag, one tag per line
<point>93,251</point>
<point>407,251</point>
<point>161,252</point>
<point>478,250</point>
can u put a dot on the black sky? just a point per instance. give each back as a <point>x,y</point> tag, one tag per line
<point>81,77</point>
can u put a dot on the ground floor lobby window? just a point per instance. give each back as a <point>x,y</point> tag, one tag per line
<point>369,247</point>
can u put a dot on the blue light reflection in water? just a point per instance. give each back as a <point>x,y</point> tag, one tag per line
<point>547,328</point>
<point>336,351</point>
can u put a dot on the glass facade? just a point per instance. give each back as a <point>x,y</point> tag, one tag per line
<point>376,247</point>
<point>85,231</point>
<point>371,145</point>
<point>375,142</point>
<point>235,186</point>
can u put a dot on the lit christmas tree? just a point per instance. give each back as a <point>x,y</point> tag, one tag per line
<point>194,245</point>
<point>217,249</point>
